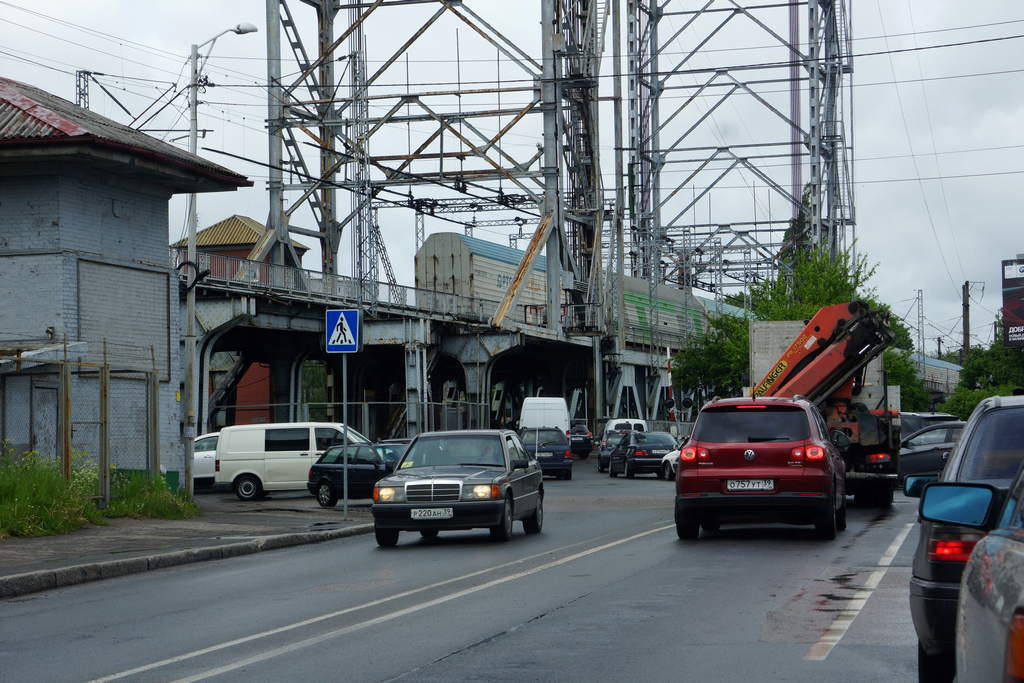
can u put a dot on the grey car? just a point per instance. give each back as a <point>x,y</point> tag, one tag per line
<point>926,450</point>
<point>460,480</point>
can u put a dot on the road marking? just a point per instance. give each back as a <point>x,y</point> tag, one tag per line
<point>841,624</point>
<point>373,603</point>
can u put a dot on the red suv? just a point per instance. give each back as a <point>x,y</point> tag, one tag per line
<point>760,460</point>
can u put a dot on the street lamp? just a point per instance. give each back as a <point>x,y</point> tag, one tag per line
<point>189,432</point>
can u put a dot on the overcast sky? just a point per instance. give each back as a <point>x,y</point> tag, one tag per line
<point>937,132</point>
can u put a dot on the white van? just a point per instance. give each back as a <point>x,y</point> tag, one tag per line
<point>544,411</point>
<point>621,424</point>
<point>255,458</point>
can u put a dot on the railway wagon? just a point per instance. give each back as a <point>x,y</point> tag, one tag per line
<point>454,263</point>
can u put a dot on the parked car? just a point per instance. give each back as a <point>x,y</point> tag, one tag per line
<point>544,411</point>
<point>640,453</point>
<point>990,451</point>
<point>255,458</point>
<point>926,450</point>
<point>392,449</point>
<point>613,431</point>
<point>990,612</point>
<point>669,464</point>
<point>550,446</point>
<point>460,480</point>
<point>914,422</point>
<point>769,459</point>
<point>204,459</point>
<point>581,440</point>
<point>366,464</point>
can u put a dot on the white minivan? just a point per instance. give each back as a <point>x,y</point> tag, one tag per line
<point>544,411</point>
<point>255,458</point>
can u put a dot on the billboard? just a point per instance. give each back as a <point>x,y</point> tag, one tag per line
<point>1013,303</point>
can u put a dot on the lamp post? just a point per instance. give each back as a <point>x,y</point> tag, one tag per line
<point>189,433</point>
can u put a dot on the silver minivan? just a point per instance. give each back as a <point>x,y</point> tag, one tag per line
<point>252,459</point>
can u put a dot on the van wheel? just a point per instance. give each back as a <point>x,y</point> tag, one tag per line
<point>326,496</point>
<point>248,487</point>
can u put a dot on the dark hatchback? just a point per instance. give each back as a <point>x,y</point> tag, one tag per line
<point>552,450</point>
<point>460,480</point>
<point>926,450</point>
<point>990,451</point>
<point>366,464</point>
<point>581,440</point>
<point>640,453</point>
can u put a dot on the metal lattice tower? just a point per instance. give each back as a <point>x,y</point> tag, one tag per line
<point>710,126</point>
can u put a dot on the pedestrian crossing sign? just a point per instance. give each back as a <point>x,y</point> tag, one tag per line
<point>341,327</point>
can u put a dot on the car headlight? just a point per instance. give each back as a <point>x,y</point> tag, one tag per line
<point>482,492</point>
<point>388,494</point>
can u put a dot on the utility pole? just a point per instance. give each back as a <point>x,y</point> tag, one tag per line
<point>920,333</point>
<point>966,295</point>
<point>938,340</point>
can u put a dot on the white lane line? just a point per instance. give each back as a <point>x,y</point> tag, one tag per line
<point>285,649</point>
<point>332,615</point>
<point>841,624</point>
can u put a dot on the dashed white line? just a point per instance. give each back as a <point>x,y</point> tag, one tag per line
<point>841,624</point>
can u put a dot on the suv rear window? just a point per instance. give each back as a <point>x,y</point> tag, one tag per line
<point>996,448</point>
<point>744,425</point>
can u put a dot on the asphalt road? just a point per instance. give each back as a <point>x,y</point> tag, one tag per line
<point>606,593</point>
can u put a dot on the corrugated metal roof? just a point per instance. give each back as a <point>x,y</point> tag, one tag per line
<point>499,252</point>
<point>716,307</point>
<point>29,114</point>
<point>234,230</point>
<point>936,363</point>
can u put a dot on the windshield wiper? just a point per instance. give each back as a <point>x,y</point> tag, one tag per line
<point>480,464</point>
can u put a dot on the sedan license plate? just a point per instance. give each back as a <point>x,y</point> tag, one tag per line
<point>749,485</point>
<point>432,513</point>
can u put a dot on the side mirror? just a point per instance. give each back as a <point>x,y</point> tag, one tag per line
<point>915,483</point>
<point>520,464</point>
<point>961,504</point>
<point>840,439</point>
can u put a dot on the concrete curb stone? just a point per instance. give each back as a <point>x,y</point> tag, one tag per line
<point>47,579</point>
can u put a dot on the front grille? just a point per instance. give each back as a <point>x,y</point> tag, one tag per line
<point>433,492</point>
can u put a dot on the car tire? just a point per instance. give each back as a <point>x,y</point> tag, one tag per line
<point>940,668</point>
<point>668,473</point>
<point>503,531</point>
<point>535,522</point>
<point>611,471</point>
<point>325,495</point>
<point>687,528</point>
<point>660,474</point>
<point>600,467</point>
<point>710,525</point>
<point>568,475</point>
<point>841,515</point>
<point>884,496</point>
<point>429,534</point>
<point>386,538</point>
<point>825,525</point>
<point>248,487</point>
<point>627,470</point>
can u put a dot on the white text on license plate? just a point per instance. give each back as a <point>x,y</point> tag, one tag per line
<point>749,485</point>
<point>432,513</point>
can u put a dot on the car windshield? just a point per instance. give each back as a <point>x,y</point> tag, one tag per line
<point>391,452</point>
<point>440,451</point>
<point>745,425</point>
<point>656,440</point>
<point>996,447</point>
<point>532,437</point>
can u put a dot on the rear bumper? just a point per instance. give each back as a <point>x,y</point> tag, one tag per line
<point>785,507</point>
<point>555,466</point>
<point>933,607</point>
<point>645,464</point>
<point>464,515</point>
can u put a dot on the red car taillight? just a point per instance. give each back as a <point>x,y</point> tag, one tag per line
<point>1014,666</point>
<point>691,453</point>
<point>568,454</point>
<point>797,454</point>
<point>950,551</point>
<point>640,454</point>
<point>815,453</point>
<point>876,458</point>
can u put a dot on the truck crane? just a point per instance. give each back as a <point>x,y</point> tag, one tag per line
<point>825,364</point>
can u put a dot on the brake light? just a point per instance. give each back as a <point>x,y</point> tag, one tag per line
<point>640,454</point>
<point>815,453</point>
<point>750,407</point>
<point>1015,649</point>
<point>875,458</point>
<point>688,454</point>
<point>216,465</point>
<point>947,550</point>
<point>590,435</point>
<point>568,453</point>
<point>702,454</point>
<point>797,454</point>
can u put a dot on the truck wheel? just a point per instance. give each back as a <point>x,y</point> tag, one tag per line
<point>883,495</point>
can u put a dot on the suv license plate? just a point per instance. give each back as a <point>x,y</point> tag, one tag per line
<point>432,513</point>
<point>749,485</point>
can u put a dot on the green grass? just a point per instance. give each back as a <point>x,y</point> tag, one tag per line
<point>35,500</point>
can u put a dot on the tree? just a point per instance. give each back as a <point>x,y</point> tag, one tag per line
<point>901,370</point>
<point>717,361</point>
<point>995,371</point>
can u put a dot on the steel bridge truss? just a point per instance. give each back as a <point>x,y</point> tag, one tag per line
<point>709,202</point>
<point>332,131</point>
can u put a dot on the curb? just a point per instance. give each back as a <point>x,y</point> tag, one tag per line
<point>47,579</point>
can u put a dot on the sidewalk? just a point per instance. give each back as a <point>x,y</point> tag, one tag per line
<point>227,527</point>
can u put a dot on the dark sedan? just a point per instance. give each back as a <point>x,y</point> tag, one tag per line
<point>581,440</point>
<point>366,464</point>
<point>639,453</point>
<point>990,616</point>
<point>552,450</point>
<point>460,480</point>
<point>926,450</point>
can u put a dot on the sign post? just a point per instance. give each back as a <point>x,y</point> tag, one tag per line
<point>342,328</point>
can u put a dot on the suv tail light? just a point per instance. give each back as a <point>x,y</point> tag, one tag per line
<point>691,453</point>
<point>952,544</point>
<point>1015,649</point>
<point>797,454</point>
<point>815,453</point>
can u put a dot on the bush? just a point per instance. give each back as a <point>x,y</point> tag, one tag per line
<point>139,494</point>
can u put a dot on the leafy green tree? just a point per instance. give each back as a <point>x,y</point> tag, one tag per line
<point>900,369</point>
<point>715,362</point>
<point>995,371</point>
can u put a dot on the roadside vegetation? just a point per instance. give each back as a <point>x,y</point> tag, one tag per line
<point>35,500</point>
<point>995,371</point>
